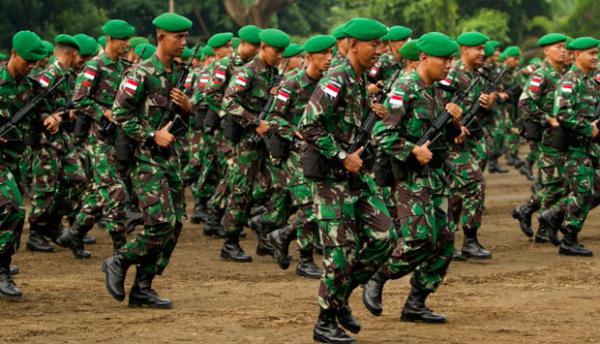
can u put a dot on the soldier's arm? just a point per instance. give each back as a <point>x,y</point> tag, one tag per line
<point>215,88</point>
<point>235,95</point>
<point>313,122</point>
<point>530,97</point>
<point>128,107</point>
<point>388,133</point>
<point>285,98</point>
<point>565,109</point>
<point>82,96</point>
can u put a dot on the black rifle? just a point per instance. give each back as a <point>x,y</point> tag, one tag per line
<point>11,125</point>
<point>492,85</point>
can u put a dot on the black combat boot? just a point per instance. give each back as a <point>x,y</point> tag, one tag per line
<point>36,241</point>
<point>570,246</point>
<point>72,238</point>
<point>523,214</point>
<point>306,265</point>
<point>200,213</point>
<point>550,222</point>
<point>115,268</point>
<point>327,330</point>
<point>373,292</point>
<point>212,226</point>
<point>89,240</point>
<point>119,240</point>
<point>54,228</point>
<point>280,239</point>
<point>347,320</point>
<point>142,293</point>
<point>8,289</point>
<point>263,247</point>
<point>231,249</point>
<point>525,170</point>
<point>495,167</point>
<point>14,270</point>
<point>471,246</point>
<point>415,310</point>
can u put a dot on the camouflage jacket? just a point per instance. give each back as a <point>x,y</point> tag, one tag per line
<point>337,60</point>
<point>384,68</point>
<point>219,79</point>
<point>537,99</point>
<point>575,100</point>
<point>97,85</point>
<point>287,108</point>
<point>141,101</point>
<point>248,92</point>
<point>13,96</point>
<point>199,87</point>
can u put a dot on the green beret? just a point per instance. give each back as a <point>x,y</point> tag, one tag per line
<point>319,43</point>
<point>29,46</point>
<point>87,45</point>
<point>410,51</point>
<point>292,50</point>
<point>495,44</point>
<point>135,41</point>
<point>364,29</point>
<point>118,29</point>
<point>437,44</point>
<point>198,54</point>
<point>207,51</point>
<point>249,33</point>
<point>584,43</point>
<point>338,32</point>
<point>551,38</point>
<point>489,49</point>
<point>472,39</point>
<point>102,41</point>
<point>49,47</point>
<point>235,42</point>
<point>145,50</point>
<point>384,38</point>
<point>535,60</point>
<point>220,39</point>
<point>68,40</point>
<point>275,38</point>
<point>502,57</point>
<point>512,51</point>
<point>568,43</point>
<point>398,33</point>
<point>187,53</point>
<point>172,22</point>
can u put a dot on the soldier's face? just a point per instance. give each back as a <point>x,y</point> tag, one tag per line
<point>120,46</point>
<point>474,54</point>
<point>556,52</point>
<point>294,62</point>
<point>223,51</point>
<point>271,56</point>
<point>21,66</point>
<point>436,67</point>
<point>172,43</point>
<point>343,46</point>
<point>512,62</point>
<point>321,60</point>
<point>587,59</point>
<point>395,46</point>
<point>367,52</point>
<point>247,50</point>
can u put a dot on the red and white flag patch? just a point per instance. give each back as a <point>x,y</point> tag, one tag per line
<point>446,82</point>
<point>332,89</point>
<point>89,74</point>
<point>188,81</point>
<point>130,86</point>
<point>45,81</point>
<point>535,83</point>
<point>373,72</point>
<point>396,99</point>
<point>283,96</point>
<point>567,87</point>
<point>203,80</point>
<point>241,80</point>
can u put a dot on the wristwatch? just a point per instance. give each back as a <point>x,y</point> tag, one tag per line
<point>342,155</point>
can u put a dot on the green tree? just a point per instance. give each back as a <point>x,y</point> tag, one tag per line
<point>494,23</point>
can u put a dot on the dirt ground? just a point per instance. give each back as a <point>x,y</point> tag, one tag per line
<point>526,293</point>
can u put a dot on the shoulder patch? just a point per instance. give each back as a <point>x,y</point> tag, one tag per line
<point>332,88</point>
<point>130,86</point>
<point>567,87</point>
<point>283,95</point>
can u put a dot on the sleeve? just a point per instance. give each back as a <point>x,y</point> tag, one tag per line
<point>531,95</point>
<point>235,94</point>
<point>82,96</point>
<point>128,107</point>
<point>565,109</point>
<point>387,133</point>
<point>286,97</point>
<point>47,80</point>
<point>215,87</point>
<point>321,105</point>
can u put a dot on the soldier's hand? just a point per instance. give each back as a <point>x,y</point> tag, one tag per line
<point>553,122</point>
<point>595,130</point>
<point>73,114</point>
<point>353,163</point>
<point>464,132</point>
<point>262,128</point>
<point>486,101</point>
<point>298,135</point>
<point>455,111</point>
<point>108,115</point>
<point>373,89</point>
<point>379,110</point>
<point>52,123</point>
<point>181,100</point>
<point>422,153</point>
<point>163,137</point>
<point>274,91</point>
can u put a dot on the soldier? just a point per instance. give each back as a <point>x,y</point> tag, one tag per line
<point>575,103</point>
<point>245,97</point>
<point>133,44</point>
<point>341,49</point>
<point>15,90</point>
<point>144,51</point>
<point>420,188</point>
<point>139,107</point>
<point>389,62</point>
<point>293,58</point>
<point>356,229</point>
<point>410,54</point>
<point>510,96</point>
<point>291,192</point>
<point>56,166</point>
<point>536,103</point>
<point>95,91</point>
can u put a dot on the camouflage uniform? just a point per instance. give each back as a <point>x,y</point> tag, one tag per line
<point>384,68</point>
<point>355,227</point>
<point>104,200</point>
<point>421,194</point>
<point>575,101</point>
<point>525,74</point>
<point>139,105</point>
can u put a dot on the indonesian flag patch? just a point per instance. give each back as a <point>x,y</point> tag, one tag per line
<point>220,77</point>
<point>130,86</point>
<point>45,81</point>
<point>332,89</point>
<point>396,99</point>
<point>597,78</point>
<point>373,72</point>
<point>203,80</point>
<point>283,95</point>
<point>86,83</point>
<point>241,80</point>
<point>446,82</point>
<point>567,87</point>
<point>89,74</point>
<point>536,81</point>
<point>188,82</point>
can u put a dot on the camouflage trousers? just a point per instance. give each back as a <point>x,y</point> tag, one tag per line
<point>219,161</point>
<point>495,135</point>
<point>550,165</point>
<point>12,213</point>
<point>534,152</point>
<point>579,178</point>
<point>25,174</point>
<point>160,195</point>
<point>58,182</point>
<point>427,242</point>
<point>207,165</point>
<point>358,236</point>
<point>248,181</point>
<point>106,194</point>
<point>467,190</point>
